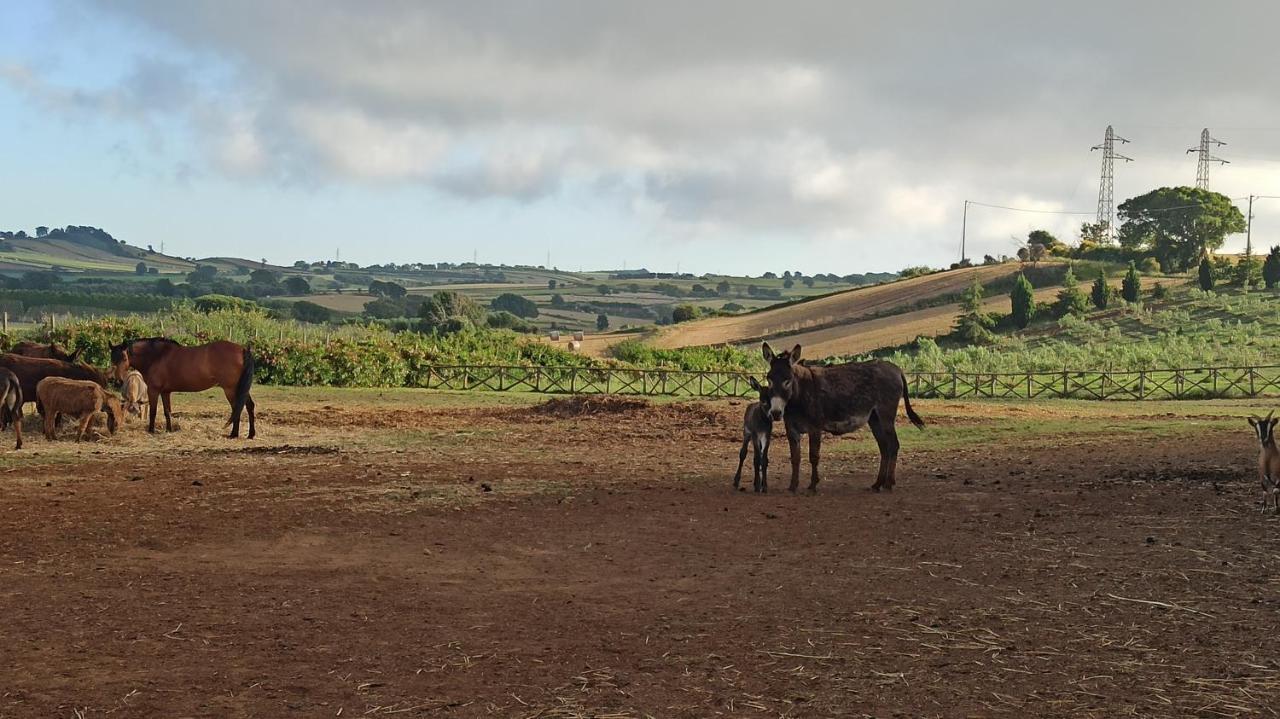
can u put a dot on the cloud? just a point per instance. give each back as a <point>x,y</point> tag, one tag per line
<point>815,120</point>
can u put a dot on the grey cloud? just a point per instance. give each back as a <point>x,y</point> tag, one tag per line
<point>829,118</point>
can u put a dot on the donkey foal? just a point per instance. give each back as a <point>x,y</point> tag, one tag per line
<point>757,428</point>
<point>1268,460</point>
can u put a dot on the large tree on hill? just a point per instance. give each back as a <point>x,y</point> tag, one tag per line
<point>1045,239</point>
<point>1271,268</point>
<point>446,312</point>
<point>1024,301</point>
<point>1178,224</point>
<point>515,304</point>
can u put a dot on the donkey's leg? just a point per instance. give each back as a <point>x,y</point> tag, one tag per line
<point>793,439</point>
<point>742,459</point>
<point>17,425</point>
<point>168,413</point>
<point>764,462</point>
<point>755,463</point>
<point>815,448</point>
<point>887,439</point>
<point>86,423</point>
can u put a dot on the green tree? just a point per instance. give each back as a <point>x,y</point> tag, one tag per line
<point>1178,224</point>
<point>140,268</point>
<point>1271,268</point>
<point>557,300</point>
<point>263,277</point>
<point>1093,234</point>
<point>723,288</point>
<point>305,311</point>
<point>1131,286</point>
<point>684,313</point>
<point>296,285</point>
<point>551,284</point>
<point>378,288</point>
<point>788,283</point>
<point>515,304</point>
<point>383,309</point>
<point>1100,293</point>
<point>1071,301</point>
<point>447,311</point>
<point>602,322</point>
<point>1248,272</point>
<point>1206,274</point>
<point>1046,239</point>
<point>1024,301</point>
<point>974,325</point>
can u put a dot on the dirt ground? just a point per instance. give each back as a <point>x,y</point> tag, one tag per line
<point>414,555</point>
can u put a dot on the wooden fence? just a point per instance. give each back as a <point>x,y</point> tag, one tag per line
<point>1197,383</point>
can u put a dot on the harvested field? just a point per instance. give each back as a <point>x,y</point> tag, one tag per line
<point>417,554</point>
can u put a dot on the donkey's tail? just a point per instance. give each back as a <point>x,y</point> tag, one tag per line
<point>906,402</point>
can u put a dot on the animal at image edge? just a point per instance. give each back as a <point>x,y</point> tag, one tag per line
<point>81,399</point>
<point>30,370</point>
<point>837,399</point>
<point>11,404</point>
<point>1268,459</point>
<point>757,430</point>
<point>169,367</point>
<point>26,348</point>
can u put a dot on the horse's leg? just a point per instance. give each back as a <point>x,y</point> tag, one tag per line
<point>168,414</point>
<point>153,398</point>
<point>248,402</point>
<point>237,405</point>
<point>17,424</point>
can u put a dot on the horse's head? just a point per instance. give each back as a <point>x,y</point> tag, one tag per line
<point>120,361</point>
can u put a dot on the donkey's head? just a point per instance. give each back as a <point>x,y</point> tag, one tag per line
<point>1264,426</point>
<point>782,384</point>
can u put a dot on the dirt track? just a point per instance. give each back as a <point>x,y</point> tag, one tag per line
<point>517,562</point>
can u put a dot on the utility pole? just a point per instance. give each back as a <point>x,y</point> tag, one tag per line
<point>964,229</point>
<point>1202,166</point>
<point>1106,185</point>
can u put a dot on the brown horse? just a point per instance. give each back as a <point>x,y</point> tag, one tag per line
<point>27,348</point>
<point>30,370</point>
<point>169,367</point>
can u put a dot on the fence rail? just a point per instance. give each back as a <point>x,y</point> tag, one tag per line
<point>1194,383</point>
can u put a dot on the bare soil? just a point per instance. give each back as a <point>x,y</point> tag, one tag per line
<point>591,561</point>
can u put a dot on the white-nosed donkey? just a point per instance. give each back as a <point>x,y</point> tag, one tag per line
<point>1268,460</point>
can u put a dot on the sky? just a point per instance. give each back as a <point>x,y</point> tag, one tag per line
<point>735,137</point>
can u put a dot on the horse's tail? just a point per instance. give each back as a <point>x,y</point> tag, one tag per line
<point>246,377</point>
<point>906,402</point>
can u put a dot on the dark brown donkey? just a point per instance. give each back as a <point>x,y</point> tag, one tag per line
<point>169,367</point>
<point>27,348</point>
<point>30,370</point>
<point>837,399</point>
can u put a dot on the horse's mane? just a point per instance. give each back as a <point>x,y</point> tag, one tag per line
<point>155,341</point>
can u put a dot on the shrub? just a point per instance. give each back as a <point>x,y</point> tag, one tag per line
<point>1023,299</point>
<point>1100,292</point>
<point>684,313</point>
<point>217,303</point>
<point>1150,266</point>
<point>515,304</point>
<point>1206,274</point>
<point>305,311</point>
<point>1159,291</point>
<point>1131,286</point>
<point>1071,301</point>
<point>1271,268</point>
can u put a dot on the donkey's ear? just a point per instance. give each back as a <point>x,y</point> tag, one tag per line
<point>1273,422</point>
<point>795,354</point>
<point>768,352</point>
<point>1253,421</point>
<point>754,384</point>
